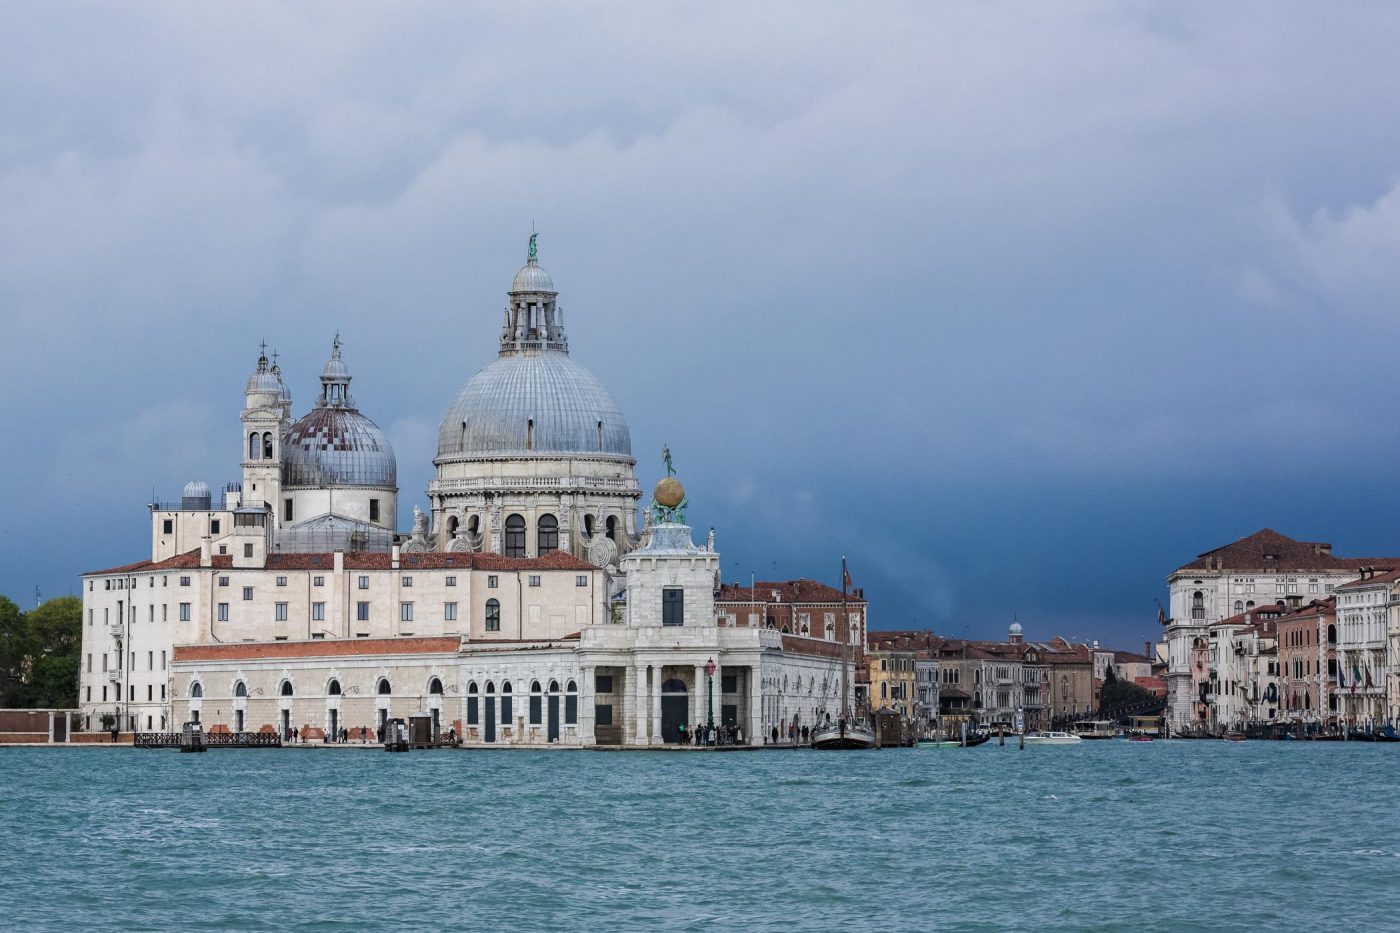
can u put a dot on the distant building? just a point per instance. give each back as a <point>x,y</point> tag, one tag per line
<point>1265,568</point>
<point>1307,654</point>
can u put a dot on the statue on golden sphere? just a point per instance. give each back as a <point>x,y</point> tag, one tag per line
<point>668,499</point>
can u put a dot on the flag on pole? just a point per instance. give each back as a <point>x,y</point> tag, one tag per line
<point>1369,685</point>
<point>846,577</point>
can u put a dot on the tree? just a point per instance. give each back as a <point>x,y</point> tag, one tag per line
<point>39,653</point>
<point>14,650</point>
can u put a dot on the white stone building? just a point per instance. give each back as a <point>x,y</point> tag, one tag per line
<point>1364,648</point>
<point>293,603</point>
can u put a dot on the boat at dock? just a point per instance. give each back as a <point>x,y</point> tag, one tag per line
<point>1096,729</point>
<point>1052,738</point>
<point>846,732</point>
<point>843,735</point>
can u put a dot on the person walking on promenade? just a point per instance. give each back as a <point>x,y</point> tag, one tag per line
<point>775,735</point>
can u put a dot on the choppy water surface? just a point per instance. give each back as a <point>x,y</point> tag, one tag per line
<point>1106,835</point>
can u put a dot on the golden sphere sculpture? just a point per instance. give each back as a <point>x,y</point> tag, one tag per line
<point>669,493</point>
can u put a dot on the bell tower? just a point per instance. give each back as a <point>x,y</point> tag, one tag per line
<point>264,411</point>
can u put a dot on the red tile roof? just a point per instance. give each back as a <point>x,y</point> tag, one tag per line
<point>1390,576</point>
<point>376,560</point>
<point>789,591</point>
<point>1266,550</point>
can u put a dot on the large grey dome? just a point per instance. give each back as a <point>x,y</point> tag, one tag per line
<point>333,446</point>
<point>532,404</point>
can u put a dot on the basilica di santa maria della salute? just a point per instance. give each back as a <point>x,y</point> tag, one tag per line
<point>528,605</point>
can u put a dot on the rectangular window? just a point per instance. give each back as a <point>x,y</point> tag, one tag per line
<point>184,612</point>
<point>471,711</point>
<point>214,527</point>
<point>571,710</point>
<point>729,683</point>
<point>362,612</point>
<point>451,581</point>
<point>405,612</point>
<point>281,581</point>
<point>374,510</point>
<point>536,709</point>
<point>363,583</point>
<point>407,581</point>
<point>287,510</point>
<point>672,606</point>
<point>247,550</point>
<point>89,694</point>
<point>162,691</point>
<point>449,612</point>
<point>89,664</point>
<point>104,694</point>
<point>162,662</point>
<point>318,634</point>
<point>318,612</point>
<point>581,580</point>
<point>247,592</point>
<point>223,581</point>
<point>167,526</point>
<point>602,714</point>
<point>492,582</point>
<point>223,612</point>
<point>184,581</point>
<point>150,692</point>
<point>150,660</point>
<point>318,581</point>
<point>281,612</point>
<point>603,684</point>
<point>534,580</point>
<point>165,612</point>
<point>151,612</point>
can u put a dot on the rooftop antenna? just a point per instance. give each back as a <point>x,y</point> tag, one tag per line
<point>38,597</point>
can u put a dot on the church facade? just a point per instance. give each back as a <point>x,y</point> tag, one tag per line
<point>526,606</point>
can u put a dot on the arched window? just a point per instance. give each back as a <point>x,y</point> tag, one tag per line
<point>588,525</point>
<point>472,700</point>
<point>554,686</point>
<point>435,686</point>
<point>452,527</point>
<point>240,689</point>
<point>1331,634</point>
<point>493,615</point>
<point>1239,605</point>
<point>1249,605</point>
<point>570,703</point>
<point>515,536</point>
<point>1198,605</point>
<point>536,707</point>
<point>600,435</point>
<point>254,446</point>
<point>196,690</point>
<point>977,700</point>
<point>286,688</point>
<point>530,434</point>
<point>384,689</point>
<point>507,710</point>
<point>490,687</point>
<point>333,689</point>
<point>267,445</point>
<point>547,539</point>
<point>612,527</point>
<point>474,525</point>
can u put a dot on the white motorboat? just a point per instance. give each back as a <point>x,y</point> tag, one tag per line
<point>1052,738</point>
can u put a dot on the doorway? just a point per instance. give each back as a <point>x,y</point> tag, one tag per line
<point>552,731</point>
<point>675,709</point>
<point>490,723</point>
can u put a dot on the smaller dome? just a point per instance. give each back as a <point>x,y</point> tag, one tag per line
<point>669,492</point>
<point>335,367</point>
<point>1015,628</point>
<point>284,394</point>
<point>263,379</point>
<point>196,489</point>
<point>532,278</point>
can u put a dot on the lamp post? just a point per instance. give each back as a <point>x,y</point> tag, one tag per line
<point>710,694</point>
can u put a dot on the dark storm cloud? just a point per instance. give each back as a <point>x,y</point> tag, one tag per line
<point>1019,306</point>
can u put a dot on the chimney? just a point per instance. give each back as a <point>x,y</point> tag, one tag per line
<point>339,561</point>
<point>1294,601</point>
<point>394,558</point>
<point>1147,650</point>
<point>205,555</point>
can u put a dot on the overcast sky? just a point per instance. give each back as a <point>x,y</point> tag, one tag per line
<point>1020,307</point>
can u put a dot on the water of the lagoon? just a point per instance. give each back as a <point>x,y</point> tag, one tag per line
<point>1106,835</point>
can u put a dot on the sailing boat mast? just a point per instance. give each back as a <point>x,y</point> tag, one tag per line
<point>846,651</point>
